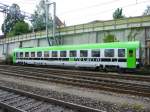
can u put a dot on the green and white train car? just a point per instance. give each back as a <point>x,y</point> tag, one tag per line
<point>99,55</point>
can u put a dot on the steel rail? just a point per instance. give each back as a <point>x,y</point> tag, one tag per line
<point>80,77</point>
<point>91,84</point>
<point>85,73</point>
<point>44,99</point>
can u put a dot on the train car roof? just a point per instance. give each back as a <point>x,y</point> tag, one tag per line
<point>131,44</point>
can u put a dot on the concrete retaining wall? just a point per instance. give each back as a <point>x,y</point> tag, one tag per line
<point>129,29</point>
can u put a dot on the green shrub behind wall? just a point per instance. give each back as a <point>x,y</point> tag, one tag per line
<point>110,38</point>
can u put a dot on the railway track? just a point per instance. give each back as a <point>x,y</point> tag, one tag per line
<point>78,80</point>
<point>81,73</point>
<point>14,100</point>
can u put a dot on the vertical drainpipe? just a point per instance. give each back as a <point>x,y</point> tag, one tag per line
<point>96,36</point>
<point>146,57</point>
<point>3,48</point>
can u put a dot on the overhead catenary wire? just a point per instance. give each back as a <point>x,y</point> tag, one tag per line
<point>91,6</point>
<point>125,6</point>
<point>112,9</point>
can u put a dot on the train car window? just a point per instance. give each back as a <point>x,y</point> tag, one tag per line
<point>121,52</point>
<point>54,53</point>
<point>39,54</point>
<point>46,53</point>
<point>109,52</point>
<point>32,54</point>
<point>63,53</point>
<point>83,53</point>
<point>73,54</point>
<point>122,60</point>
<point>130,53</point>
<point>26,54</point>
<point>17,54</point>
<point>95,53</point>
<point>21,54</point>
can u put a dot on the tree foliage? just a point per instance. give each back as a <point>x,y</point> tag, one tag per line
<point>147,11</point>
<point>9,59</point>
<point>118,14</point>
<point>12,18</point>
<point>19,28</point>
<point>38,21</point>
<point>39,17</point>
<point>110,38</point>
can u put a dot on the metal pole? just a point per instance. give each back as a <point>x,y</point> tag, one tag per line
<point>54,23</point>
<point>47,13</point>
<point>5,15</point>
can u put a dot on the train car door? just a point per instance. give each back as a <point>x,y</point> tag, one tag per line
<point>131,58</point>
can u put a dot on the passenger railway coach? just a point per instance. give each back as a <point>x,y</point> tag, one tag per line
<point>99,55</point>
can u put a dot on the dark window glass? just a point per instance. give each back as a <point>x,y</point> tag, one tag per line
<point>113,60</point>
<point>73,54</point>
<point>21,54</point>
<point>130,53</point>
<point>121,52</point>
<point>83,53</point>
<point>54,53</point>
<point>95,53</point>
<point>17,54</point>
<point>106,59</point>
<point>32,54</point>
<point>109,52</point>
<point>46,53</point>
<point>63,53</point>
<point>122,60</point>
<point>39,54</point>
<point>26,54</point>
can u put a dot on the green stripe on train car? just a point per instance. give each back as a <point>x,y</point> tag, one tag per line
<point>71,59</point>
<point>132,44</point>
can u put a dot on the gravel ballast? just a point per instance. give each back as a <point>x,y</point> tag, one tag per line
<point>74,98</point>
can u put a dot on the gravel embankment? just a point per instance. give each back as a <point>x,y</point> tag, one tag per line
<point>102,105</point>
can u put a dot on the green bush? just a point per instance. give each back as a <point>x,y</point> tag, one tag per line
<point>110,38</point>
<point>11,34</point>
<point>9,59</point>
<point>21,27</point>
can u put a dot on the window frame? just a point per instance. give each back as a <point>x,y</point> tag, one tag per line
<point>63,56</point>
<point>119,52</point>
<point>26,54</point>
<point>32,56</point>
<point>93,50</point>
<point>108,52</point>
<point>56,54</point>
<point>38,54</point>
<point>130,53</point>
<point>21,56</point>
<point>83,55</point>
<point>73,54</point>
<point>46,54</point>
<point>17,54</point>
